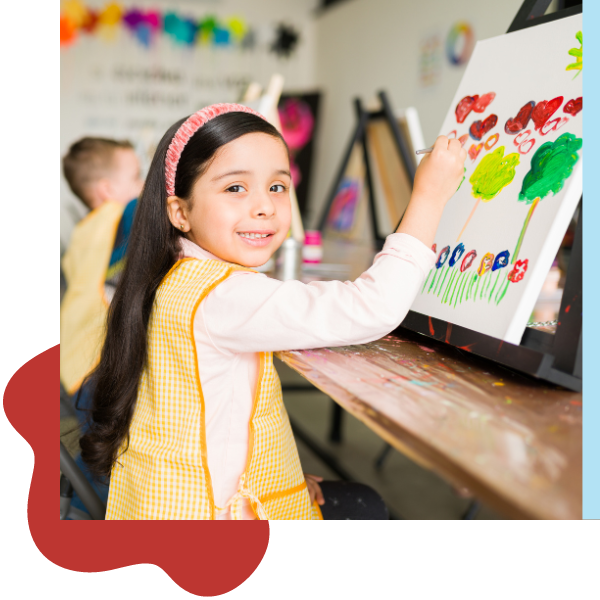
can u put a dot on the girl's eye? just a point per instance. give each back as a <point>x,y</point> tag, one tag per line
<point>236,189</point>
<point>277,188</point>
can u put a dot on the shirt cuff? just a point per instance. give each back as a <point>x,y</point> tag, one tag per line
<point>408,247</point>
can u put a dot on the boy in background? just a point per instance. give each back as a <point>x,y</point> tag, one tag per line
<point>105,175</point>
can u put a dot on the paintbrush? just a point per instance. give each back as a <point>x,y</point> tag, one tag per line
<point>429,150</point>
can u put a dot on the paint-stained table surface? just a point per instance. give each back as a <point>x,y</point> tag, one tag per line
<point>515,442</point>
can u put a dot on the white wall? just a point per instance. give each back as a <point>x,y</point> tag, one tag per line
<point>363,46</point>
<point>355,48</point>
<point>104,90</point>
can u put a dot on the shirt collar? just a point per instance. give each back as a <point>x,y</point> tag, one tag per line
<point>191,250</point>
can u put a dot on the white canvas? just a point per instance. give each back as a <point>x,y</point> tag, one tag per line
<point>527,65</point>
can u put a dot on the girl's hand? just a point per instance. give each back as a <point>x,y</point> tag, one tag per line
<point>439,174</point>
<point>314,489</point>
<point>436,181</point>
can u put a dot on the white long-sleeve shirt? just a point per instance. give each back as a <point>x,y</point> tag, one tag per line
<point>250,313</point>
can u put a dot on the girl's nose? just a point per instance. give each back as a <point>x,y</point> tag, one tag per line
<point>263,206</point>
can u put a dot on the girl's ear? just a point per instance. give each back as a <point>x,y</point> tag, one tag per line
<point>177,211</point>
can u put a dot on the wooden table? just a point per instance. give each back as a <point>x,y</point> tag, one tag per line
<point>515,442</point>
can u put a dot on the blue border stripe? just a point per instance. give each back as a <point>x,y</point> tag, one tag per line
<point>591,296</point>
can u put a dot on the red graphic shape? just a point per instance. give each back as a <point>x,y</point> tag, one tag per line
<point>483,102</point>
<point>522,137</point>
<point>479,128</point>
<point>526,146</point>
<point>544,110</point>
<point>463,139</point>
<point>553,125</point>
<point>474,151</point>
<point>468,260</point>
<point>464,107</point>
<point>572,107</point>
<point>519,123</point>
<point>205,558</point>
<point>518,271</point>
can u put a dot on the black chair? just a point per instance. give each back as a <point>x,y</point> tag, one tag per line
<point>73,479</point>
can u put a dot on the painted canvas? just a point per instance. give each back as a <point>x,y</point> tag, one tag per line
<point>518,111</point>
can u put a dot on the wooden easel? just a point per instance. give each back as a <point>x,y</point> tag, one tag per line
<point>556,358</point>
<point>359,136</point>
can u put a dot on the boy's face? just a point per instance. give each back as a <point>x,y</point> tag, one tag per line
<point>124,181</point>
<point>240,207</point>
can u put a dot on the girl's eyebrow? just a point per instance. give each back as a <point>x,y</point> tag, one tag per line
<point>242,172</point>
<point>229,173</point>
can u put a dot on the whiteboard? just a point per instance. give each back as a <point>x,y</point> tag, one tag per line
<point>519,110</point>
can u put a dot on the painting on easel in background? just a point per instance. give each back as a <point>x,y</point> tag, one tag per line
<point>298,115</point>
<point>518,114</point>
<point>373,184</point>
<point>347,217</point>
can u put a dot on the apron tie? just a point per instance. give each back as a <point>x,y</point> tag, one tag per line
<point>235,503</point>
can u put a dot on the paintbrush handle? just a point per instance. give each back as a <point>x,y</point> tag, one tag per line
<point>425,150</point>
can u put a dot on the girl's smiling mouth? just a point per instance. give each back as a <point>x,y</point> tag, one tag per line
<point>256,238</point>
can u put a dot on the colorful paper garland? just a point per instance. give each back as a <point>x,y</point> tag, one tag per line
<point>146,25</point>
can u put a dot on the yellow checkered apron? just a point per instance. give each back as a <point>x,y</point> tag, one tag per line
<point>163,471</point>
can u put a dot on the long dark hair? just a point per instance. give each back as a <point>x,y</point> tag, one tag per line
<point>153,249</point>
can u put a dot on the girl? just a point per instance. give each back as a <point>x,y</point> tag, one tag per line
<point>187,416</point>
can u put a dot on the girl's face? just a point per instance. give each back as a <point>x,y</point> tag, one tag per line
<point>240,207</point>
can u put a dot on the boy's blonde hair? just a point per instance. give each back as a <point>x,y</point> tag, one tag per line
<point>88,160</point>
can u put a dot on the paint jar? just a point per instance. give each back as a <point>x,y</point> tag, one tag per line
<point>289,259</point>
<point>312,251</point>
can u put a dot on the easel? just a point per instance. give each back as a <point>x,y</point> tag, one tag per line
<point>359,136</point>
<point>555,358</point>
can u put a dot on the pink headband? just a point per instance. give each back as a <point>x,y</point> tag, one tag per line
<point>188,129</point>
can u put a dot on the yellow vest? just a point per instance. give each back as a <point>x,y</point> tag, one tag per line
<point>163,472</point>
<point>84,307</point>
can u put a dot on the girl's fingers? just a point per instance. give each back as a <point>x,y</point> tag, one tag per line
<point>454,146</point>
<point>314,489</point>
<point>441,143</point>
<point>320,498</point>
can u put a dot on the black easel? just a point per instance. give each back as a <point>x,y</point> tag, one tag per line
<point>555,358</point>
<point>359,136</point>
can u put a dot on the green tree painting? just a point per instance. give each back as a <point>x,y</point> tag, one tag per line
<point>492,175</point>
<point>551,166</point>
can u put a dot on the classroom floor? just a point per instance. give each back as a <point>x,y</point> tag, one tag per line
<point>409,491</point>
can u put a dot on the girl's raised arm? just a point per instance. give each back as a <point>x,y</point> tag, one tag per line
<point>253,313</point>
